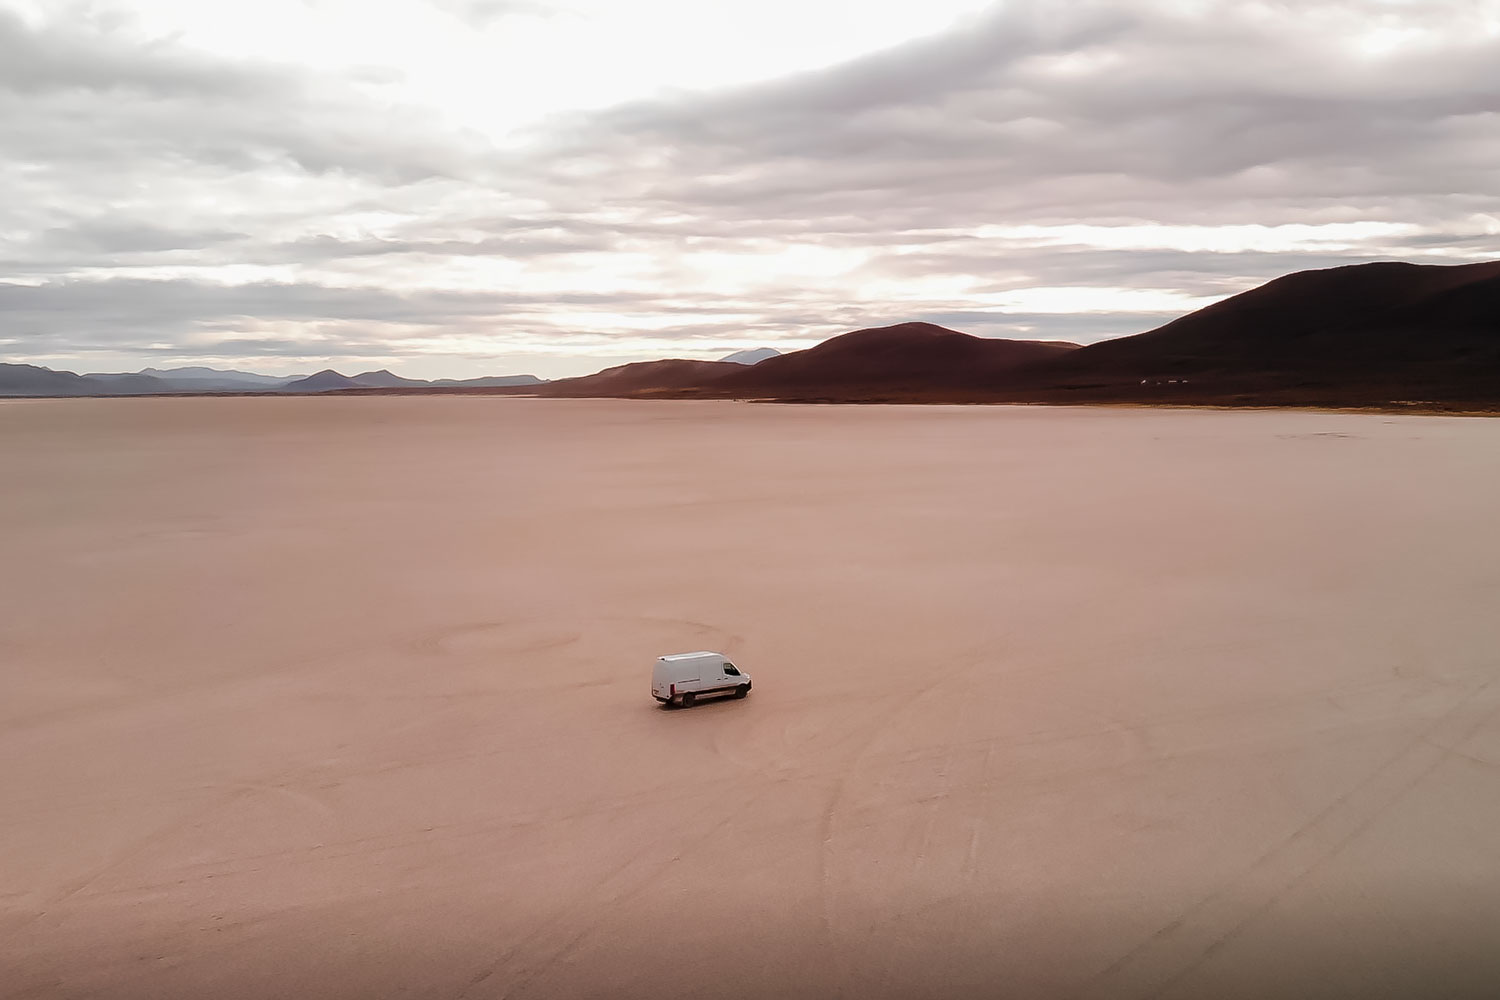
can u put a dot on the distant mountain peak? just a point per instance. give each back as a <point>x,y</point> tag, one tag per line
<point>911,357</point>
<point>751,356</point>
<point>321,382</point>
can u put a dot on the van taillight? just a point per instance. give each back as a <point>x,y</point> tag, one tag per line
<point>672,691</point>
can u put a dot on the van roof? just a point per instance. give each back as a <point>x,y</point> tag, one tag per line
<point>692,656</point>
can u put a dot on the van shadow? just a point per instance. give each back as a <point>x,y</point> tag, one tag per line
<point>703,704</point>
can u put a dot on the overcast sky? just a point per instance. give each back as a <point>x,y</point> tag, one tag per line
<point>466,187</point>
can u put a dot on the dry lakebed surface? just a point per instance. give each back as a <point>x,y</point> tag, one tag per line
<point>349,697</point>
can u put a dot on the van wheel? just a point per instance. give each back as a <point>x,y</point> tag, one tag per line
<point>688,698</point>
<point>742,690</point>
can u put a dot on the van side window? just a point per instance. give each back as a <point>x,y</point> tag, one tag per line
<point>729,669</point>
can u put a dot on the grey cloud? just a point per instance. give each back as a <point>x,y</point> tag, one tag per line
<point>105,242</point>
<point>121,236</point>
<point>149,136</point>
<point>143,302</point>
<point>1475,244</point>
<point>188,317</point>
<point>1192,272</point>
<point>91,56</point>
<point>917,75</point>
<point>280,347</point>
<point>74,92</point>
<point>701,228</point>
<point>195,315</point>
<point>1157,113</point>
<point>332,248</point>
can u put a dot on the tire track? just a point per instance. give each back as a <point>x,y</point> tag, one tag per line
<point>1177,949</point>
<point>879,727</point>
<point>598,900</point>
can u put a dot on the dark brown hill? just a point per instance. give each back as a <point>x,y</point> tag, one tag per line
<point>643,378</point>
<point>905,358</point>
<point>1335,335</point>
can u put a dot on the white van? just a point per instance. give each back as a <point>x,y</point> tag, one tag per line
<point>682,678</point>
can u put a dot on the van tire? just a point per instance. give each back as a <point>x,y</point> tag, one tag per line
<point>742,690</point>
<point>687,699</point>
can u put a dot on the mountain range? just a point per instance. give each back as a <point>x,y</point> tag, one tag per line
<point>1385,334</point>
<point>31,380</point>
<point>330,380</point>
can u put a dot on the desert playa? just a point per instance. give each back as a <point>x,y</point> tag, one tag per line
<point>349,697</point>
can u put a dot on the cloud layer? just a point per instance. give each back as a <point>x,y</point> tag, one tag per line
<point>1072,171</point>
